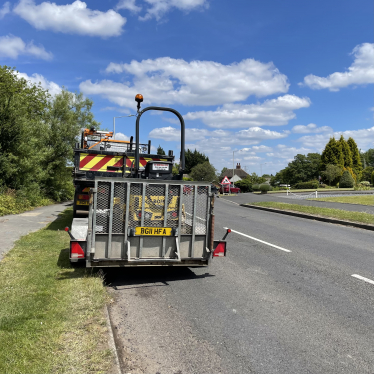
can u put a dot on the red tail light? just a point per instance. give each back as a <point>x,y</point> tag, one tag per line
<point>76,250</point>
<point>140,214</point>
<point>219,248</point>
<point>83,197</point>
<point>174,214</point>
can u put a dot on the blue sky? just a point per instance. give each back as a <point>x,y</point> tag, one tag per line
<point>267,79</point>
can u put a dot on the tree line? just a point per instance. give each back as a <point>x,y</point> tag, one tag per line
<point>339,158</point>
<point>37,137</point>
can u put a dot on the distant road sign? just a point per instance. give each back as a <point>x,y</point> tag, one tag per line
<point>225,181</point>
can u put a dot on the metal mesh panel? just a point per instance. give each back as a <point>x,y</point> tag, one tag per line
<point>154,205</point>
<point>173,206</point>
<point>187,208</point>
<point>201,209</point>
<point>102,209</point>
<point>119,208</point>
<point>135,208</point>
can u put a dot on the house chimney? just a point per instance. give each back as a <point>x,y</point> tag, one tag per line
<point>238,166</point>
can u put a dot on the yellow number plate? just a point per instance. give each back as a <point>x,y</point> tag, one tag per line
<point>83,203</point>
<point>154,231</point>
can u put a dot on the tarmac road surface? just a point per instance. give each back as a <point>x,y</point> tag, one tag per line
<point>292,296</point>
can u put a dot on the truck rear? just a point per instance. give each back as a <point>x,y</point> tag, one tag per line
<point>147,217</point>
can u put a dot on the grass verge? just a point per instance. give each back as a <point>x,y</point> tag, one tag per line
<point>321,212</point>
<point>361,200</point>
<point>310,190</point>
<point>51,315</point>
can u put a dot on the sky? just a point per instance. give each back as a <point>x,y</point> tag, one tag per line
<point>256,82</point>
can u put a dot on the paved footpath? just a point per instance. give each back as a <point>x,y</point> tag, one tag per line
<point>248,198</point>
<point>12,227</point>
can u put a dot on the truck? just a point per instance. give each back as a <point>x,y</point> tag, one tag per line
<point>137,212</point>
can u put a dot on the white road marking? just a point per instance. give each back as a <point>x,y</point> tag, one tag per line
<point>258,240</point>
<point>363,278</point>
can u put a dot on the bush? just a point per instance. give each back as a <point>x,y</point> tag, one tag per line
<point>245,185</point>
<point>256,187</point>
<point>306,185</point>
<point>363,186</point>
<point>372,178</point>
<point>14,202</point>
<point>346,180</point>
<point>265,187</point>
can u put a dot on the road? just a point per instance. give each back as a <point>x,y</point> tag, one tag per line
<point>259,310</point>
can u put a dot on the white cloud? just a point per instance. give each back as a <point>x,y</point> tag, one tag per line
<point>286,152</point>
<point>170,81</point>
<point>363,137</point>
<point>121,136</point>
<point>253,135</point>
<point>52,87</point>
<point>73,18</point>
<point>128,5</point>
<point>5,10</point>
<point>114,109</point>
<point>274,112</point>
<point>12,46</point>
<point>359,73</point>
<point>301,129</point>
<point>160,7</point>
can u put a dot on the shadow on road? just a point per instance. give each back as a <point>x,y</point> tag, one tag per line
<point>125,278</point>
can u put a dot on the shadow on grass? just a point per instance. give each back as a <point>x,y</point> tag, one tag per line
<point>63,219</point>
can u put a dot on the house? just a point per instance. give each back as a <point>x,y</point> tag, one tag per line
<point>238,174</point>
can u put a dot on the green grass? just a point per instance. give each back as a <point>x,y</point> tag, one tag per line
<point>311,190</point>
<point>51,315</point>
<point>361,200</point>
<point>321,212</point>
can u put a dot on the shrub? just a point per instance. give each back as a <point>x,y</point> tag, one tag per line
<point>306,185</point>
<point>256,187</point>
<point>245,185</point>
<point>265,187</point>
<point>363,186</point>
<point>372,178</point>
<point>346,180</point>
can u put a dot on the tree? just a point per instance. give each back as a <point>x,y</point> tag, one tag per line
<point>346,180</point>
<point>301,169</point>
<point>332,172</point>
<point>203,172</point>
<point>192,159</point>
<point>366,173</point>
<point>175,169</point>
<point>23,131</point>
<point>255,179</point>
<point>68,114</point>
<point>160,150</point>
<point>372,178</point>
<point>245,185</point>
<point>347,154</point>
<point>367,158</point>
<point>356,159</point>
<point>332,154</point>
<point>224,170</point>
<point>37,136</point>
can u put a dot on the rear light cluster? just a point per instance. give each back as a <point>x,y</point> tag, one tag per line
<point>76,251</point>
<point>83,197</point>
